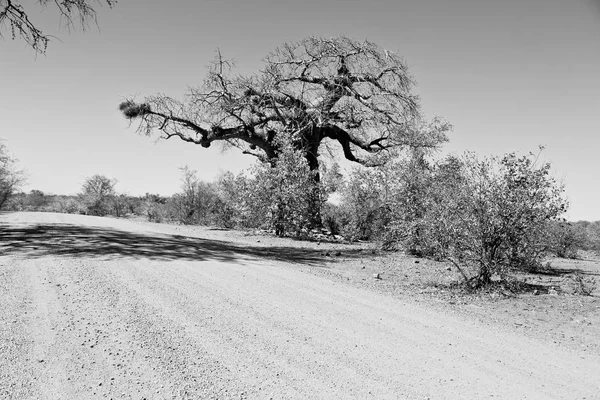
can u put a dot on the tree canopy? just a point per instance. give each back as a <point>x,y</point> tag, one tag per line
<point>353,94</point>
<point>97,193</point>
<point>16,17</point>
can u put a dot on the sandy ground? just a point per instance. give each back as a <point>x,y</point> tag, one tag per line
<point>105,308</point>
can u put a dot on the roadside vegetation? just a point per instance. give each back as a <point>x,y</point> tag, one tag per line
<point>490,218</point>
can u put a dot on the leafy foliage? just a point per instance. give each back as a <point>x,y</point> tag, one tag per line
<point>489,217</point>
<point>408,191</point>
<point>286,194</point>
<point>363,209</point>
<point>234,206</point>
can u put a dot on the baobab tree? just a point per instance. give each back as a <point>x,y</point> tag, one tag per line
<point>16,18</point>
<point>353,94</point>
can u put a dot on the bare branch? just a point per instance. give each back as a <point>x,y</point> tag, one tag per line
<point>354,93</point>
<point>20,25</point>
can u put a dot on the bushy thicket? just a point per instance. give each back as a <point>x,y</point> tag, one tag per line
<point>119,205</point>
<point>283,196</point>
<point>493,216</point>
<point>487,216</point>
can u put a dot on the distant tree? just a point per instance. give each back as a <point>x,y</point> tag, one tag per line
<point>155,207</point>
<point>566,238</point>
<point>97,194</point>
<point>195,204</point>
<point>353,94</point>
<point>187,202</point>
<point>11,178</point>
<point>134,205</point>
<point>206,202</point>
<point>36,199</point>
<point>119,205</point>
<point>15,18</point>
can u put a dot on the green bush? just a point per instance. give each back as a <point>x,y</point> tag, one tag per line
<point>489,217</point>
<point>364,210</point>
<point>286,194</point>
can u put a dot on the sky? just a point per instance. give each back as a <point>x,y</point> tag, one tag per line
<point>508,75</point>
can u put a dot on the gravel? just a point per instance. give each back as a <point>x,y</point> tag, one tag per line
<point>90,311</point>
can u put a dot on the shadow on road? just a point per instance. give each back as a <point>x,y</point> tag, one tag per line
<point>74,240</point>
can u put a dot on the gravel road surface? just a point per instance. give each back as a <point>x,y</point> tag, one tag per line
<point>99,308</point>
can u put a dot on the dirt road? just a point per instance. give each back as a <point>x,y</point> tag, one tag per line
<point>104,308</point>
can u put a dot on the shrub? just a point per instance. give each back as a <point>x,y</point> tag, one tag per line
<point>235,203</point>
<point>155,208</point>
<point>286,193</point>
<point>488,217</point>
<point>564,239</point>
<point>408,190</point>
<point>333,218</point>
<point>364,210</point>
<point>68,205</point>
<point>11,178</point>
<point>97,195</point>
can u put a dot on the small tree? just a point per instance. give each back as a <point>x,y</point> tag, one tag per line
<point>11,178</point>
<point>186,202</point>
<point>197,201</point>
<point>97,194</point>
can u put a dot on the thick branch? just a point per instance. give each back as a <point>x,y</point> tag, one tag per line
<point>354,93</point>
<point>345,140</point>
<point>169,124</point>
